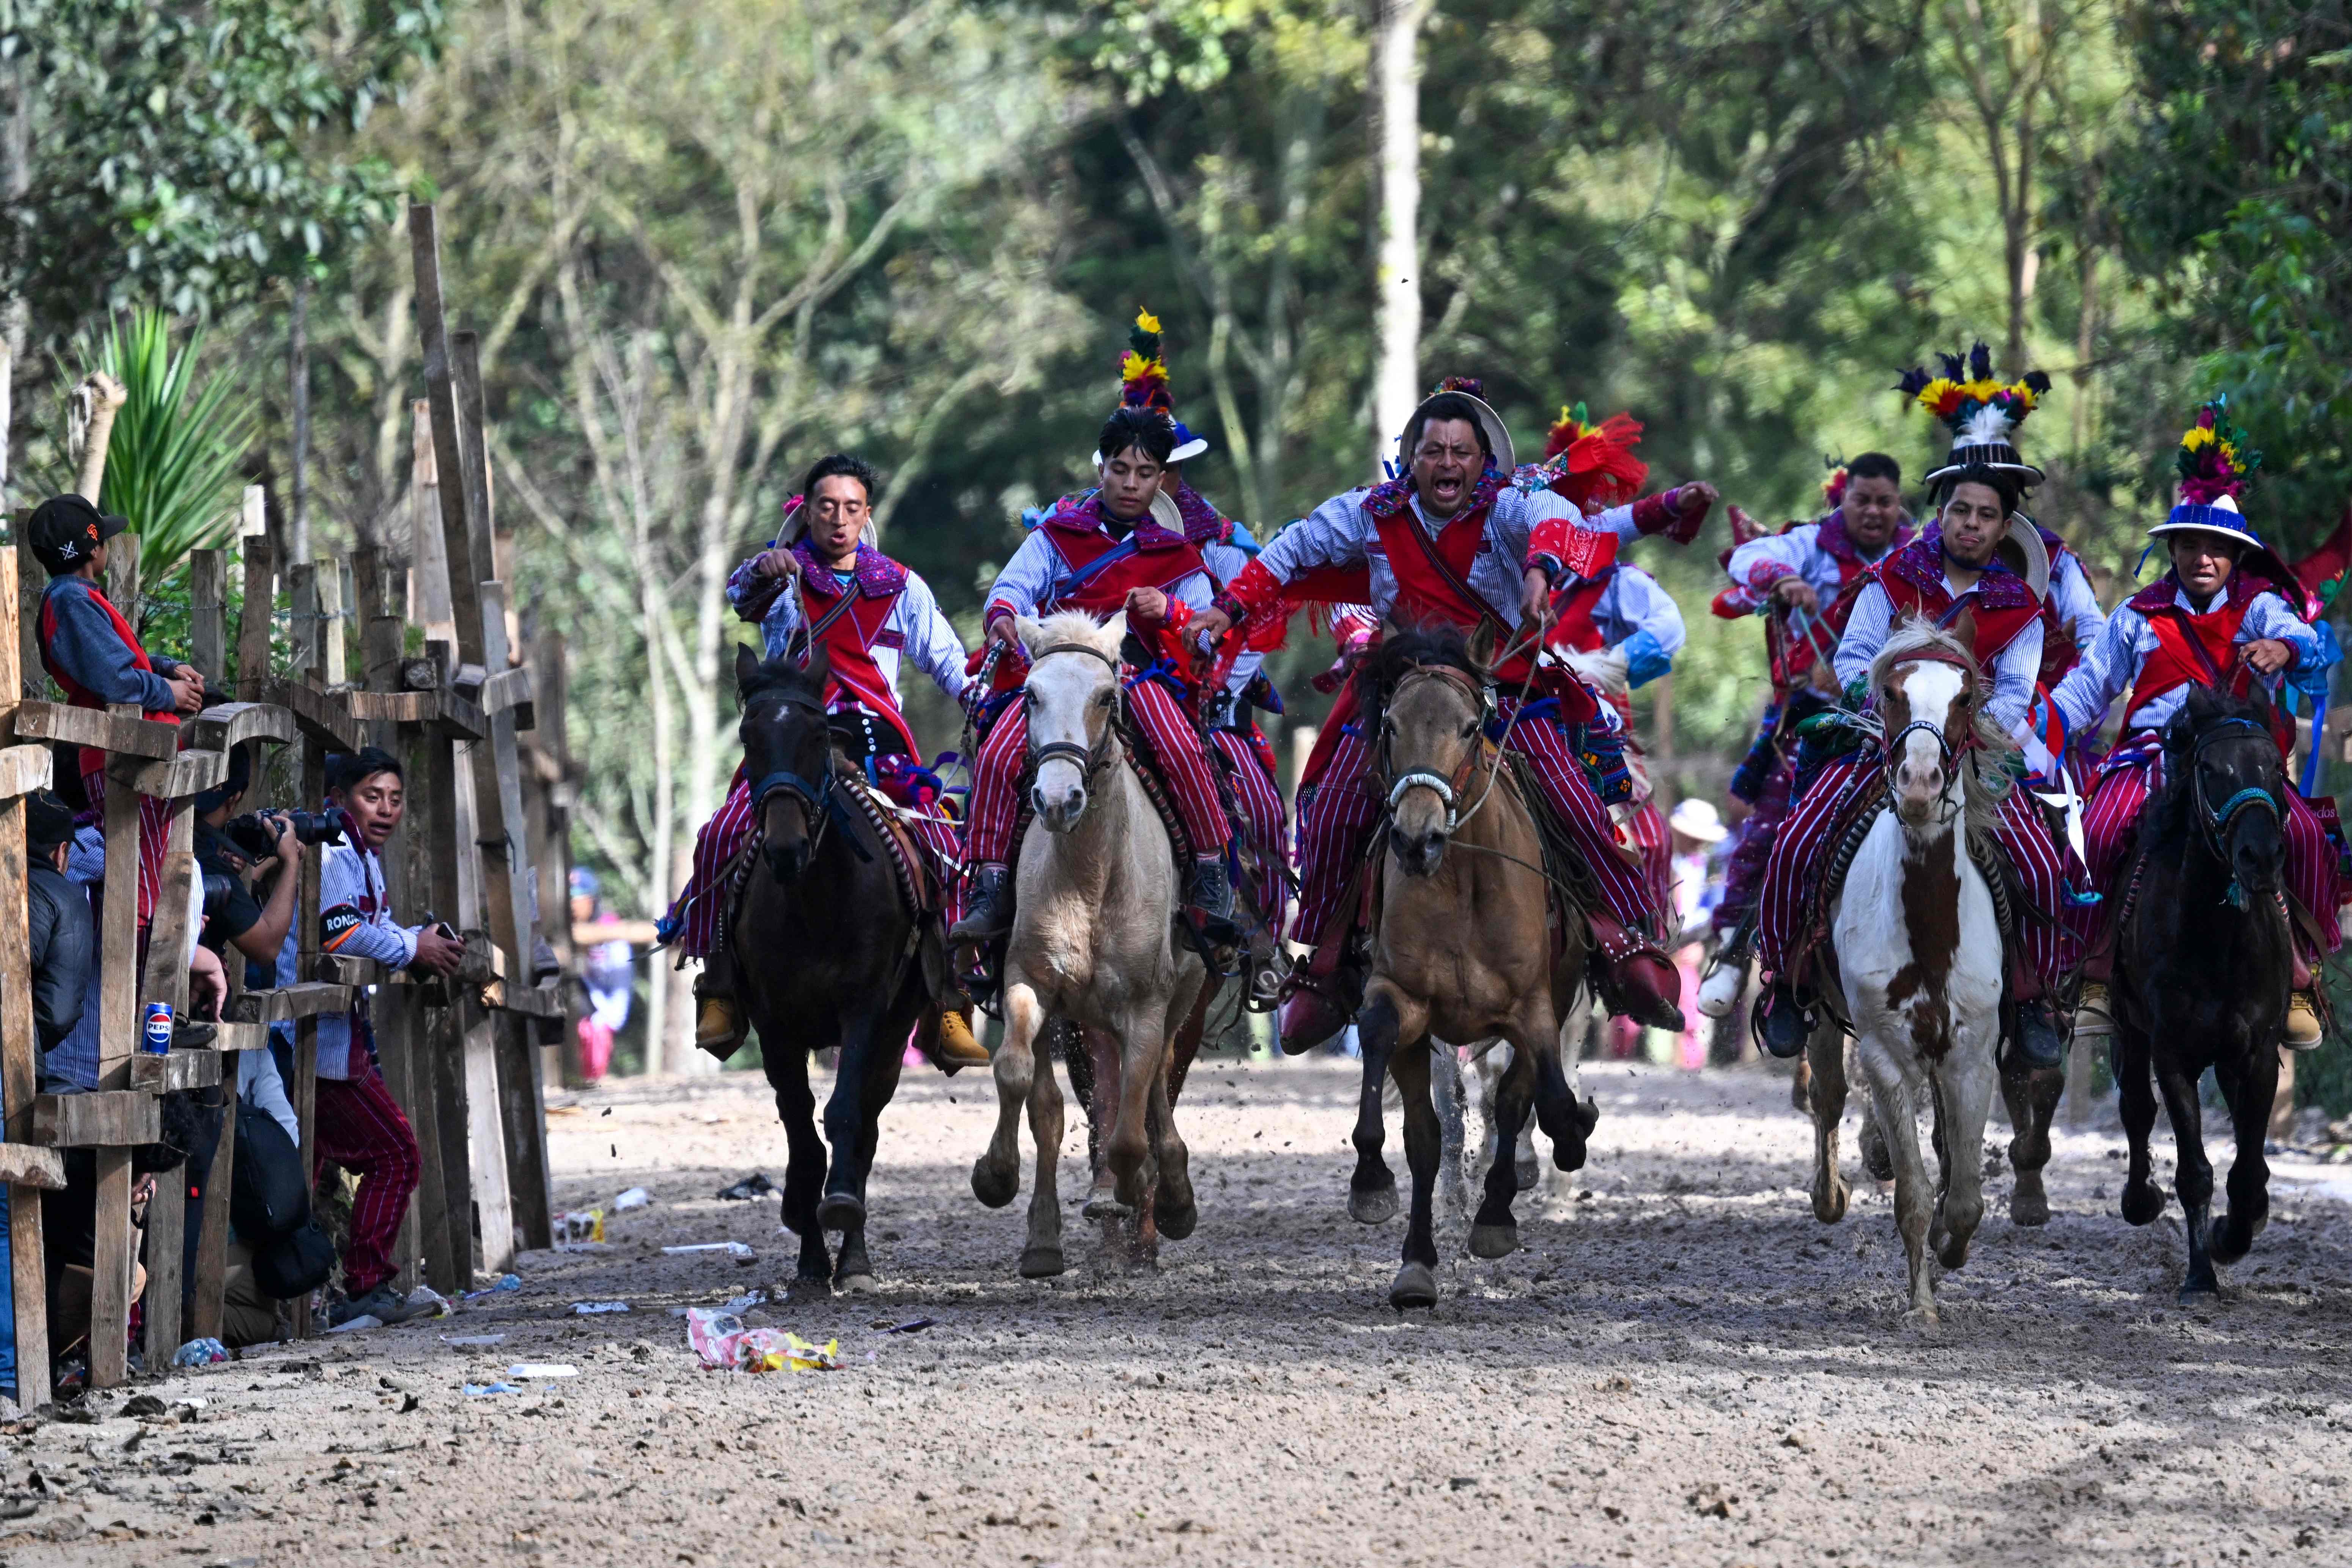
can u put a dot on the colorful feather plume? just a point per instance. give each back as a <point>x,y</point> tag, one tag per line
<point>1596,464</point>
<point>2214,460</point>
<point>1833,487</point>
<point>1964,392</point>
<point>1143,369</point>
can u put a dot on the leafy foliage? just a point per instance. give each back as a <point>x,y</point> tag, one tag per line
<point>172,468</point>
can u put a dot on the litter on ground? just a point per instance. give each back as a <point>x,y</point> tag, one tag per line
<point>732,1249</point>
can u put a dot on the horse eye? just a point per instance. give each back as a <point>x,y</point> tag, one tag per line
<point>1102,699</point>
<point>1470,729</point>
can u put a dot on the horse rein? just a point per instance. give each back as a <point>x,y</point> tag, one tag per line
<point>1948,751</point>
<point>1448,790</point>
<point>1089,759</point>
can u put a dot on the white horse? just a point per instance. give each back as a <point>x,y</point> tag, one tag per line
<point>1919,955</point>
<point>1093,941</point>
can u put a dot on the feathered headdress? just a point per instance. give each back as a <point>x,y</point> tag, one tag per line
<point>1982,412</point>
<point>1143,382</point>
<point>1595,463</point>
<point>2213,458</point>
<point>1833,487</point>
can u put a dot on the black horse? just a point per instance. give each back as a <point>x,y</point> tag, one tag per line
<point>2203,964</point>
<point>830,954</point>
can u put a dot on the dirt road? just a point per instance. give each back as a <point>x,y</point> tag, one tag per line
<point>1681,1367</point>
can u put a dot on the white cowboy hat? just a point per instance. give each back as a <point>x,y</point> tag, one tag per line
<point>1498,439</point>
<point>1698,818</point>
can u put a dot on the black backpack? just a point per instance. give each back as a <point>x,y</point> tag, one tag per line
<point>293,1264</point>
<point>267,1196</point>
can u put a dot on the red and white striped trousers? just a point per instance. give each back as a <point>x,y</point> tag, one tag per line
<point>1645,830</point>
<point>694,914</point>
<point>154,838</point>
<point>2111,823</point>
<point>1803,848</point>
<point>1269,824</point>
<point>360,1127</point>
<point>995,812</point>
<point>1743,876</point>
<point>1333,821</point>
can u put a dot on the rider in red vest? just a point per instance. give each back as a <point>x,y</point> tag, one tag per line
<point>1981,569</point>
<point>1805,579</point>
<point>1108,551</point>
<point>2228,611</point>
<point>1452,540</point>
<point>96,658</point>
<point>873,615</point>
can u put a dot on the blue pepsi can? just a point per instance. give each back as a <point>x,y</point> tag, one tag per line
<point>155,1036</point>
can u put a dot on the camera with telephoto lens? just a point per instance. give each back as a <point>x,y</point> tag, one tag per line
<point>256,834</point>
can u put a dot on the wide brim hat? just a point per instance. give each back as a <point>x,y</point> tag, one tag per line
<point>2220,516</point>
<point>1997,455</point>
<point>1696,818</point>
<point>1188,444</point>
<point>2021,548</point>
<point>1983,411</point>
<point>1498,437</point>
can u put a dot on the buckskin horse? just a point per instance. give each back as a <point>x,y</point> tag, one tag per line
<point>1093,942</point>
<point>833,954</point>
<point>1918,940</point>
<point>2203,963</point>
<point>1462,945</point>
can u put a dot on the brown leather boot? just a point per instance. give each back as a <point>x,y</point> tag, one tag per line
<point>719,1026</point>
<point>1642,982</point>
<point>959,1047</point>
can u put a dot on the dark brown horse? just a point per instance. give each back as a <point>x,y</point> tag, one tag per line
<point>831,955</point>
<point>2203,962</point>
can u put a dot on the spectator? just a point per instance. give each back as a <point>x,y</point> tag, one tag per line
<point>609,970</point>
<point>1697,837</point>
<point>256,927</point>
<point>359,1124</point>
<point>58,928</point>
<point>95,657</point>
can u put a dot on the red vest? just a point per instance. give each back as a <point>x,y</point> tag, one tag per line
<point>2003,605</point>
<point>1793,657</point>
<point>849,641</point>
<point>1149,557</point>
<point>93,761</point>
<point>1423,593</point>
<point>2179,636</point>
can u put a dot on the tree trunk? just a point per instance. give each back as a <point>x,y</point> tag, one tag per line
<point>15,179</point>
<point>297,364</point>
<point>1396,88</point>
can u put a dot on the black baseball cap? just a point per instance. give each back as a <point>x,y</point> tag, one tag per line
<point>49,822</point>
<point>66,530</point>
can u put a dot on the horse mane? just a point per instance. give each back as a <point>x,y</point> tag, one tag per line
<point>1063,628</point>
<point>781,673</point>
<point>1988,782</point>
<point>1401,651</point>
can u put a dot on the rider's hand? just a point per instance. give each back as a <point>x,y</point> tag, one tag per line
<point>774,563</point>
<point>1535,599</point>
<point>1207,627</point>
<point>1146,607</point>
<point>1797,594</point>
<point>2268,655</point>
<point>1695,494</point>
<point>1001,629</point>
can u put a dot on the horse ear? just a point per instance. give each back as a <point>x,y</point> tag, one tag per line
<point>1482,646</point>
<point>1114,633</point>
<point>820,664</point>
<point>747,668</point>
<point>1028,630</point>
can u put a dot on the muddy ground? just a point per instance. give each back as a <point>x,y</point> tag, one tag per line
<point>1680,1367</point>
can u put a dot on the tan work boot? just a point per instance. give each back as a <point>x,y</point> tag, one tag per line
<point>2303,1031</point>
<point>2094,1014</point>
<point>718,1025</point>
<point>958,1046</point>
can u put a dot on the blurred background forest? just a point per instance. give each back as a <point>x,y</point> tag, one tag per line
<point>706,241</point>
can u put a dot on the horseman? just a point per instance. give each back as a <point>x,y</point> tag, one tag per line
<point>819,583</point>
<point>1109,550</point>
<point>2228,613</point>
<point>1804,579</point>
<point>1611,618</point>
<point>1979,571</point>
<point>1452,539</point>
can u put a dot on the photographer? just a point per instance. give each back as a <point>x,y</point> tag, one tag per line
<point>224,856</point>
<point>359,1125</point>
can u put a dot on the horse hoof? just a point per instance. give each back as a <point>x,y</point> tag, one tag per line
<point>2199,1289</point>
<point>1176,1224</point>
<point>2028,1207</point>
<point>1922,1320</point>
<point>1415,1286</point>
<point>1874,1156</point>
<point>2223,1244</point>
<point>1102,1202</point>
<point>1372,1206</point>
<point>1494,1241</point>
<point>1830,1199</point>
<point>2142,1203</point>
<point>994,1187</point>
<point>841,1211</point>
<point>815,1277</point>
<point>856,1284</point>
<point>1040,1262</point>
<point>1588,1116</point>
<point>1526,1173</point>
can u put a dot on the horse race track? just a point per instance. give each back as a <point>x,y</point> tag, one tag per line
<point>1682,1367</point>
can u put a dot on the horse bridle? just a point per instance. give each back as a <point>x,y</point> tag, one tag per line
<point>1448,791</point>
<point>1089,759</point>
<point>817,796</point>
<point>2212,822</point>
<point>1948,751</point>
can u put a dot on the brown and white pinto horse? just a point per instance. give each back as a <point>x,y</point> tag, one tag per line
<point>1919,949</point>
